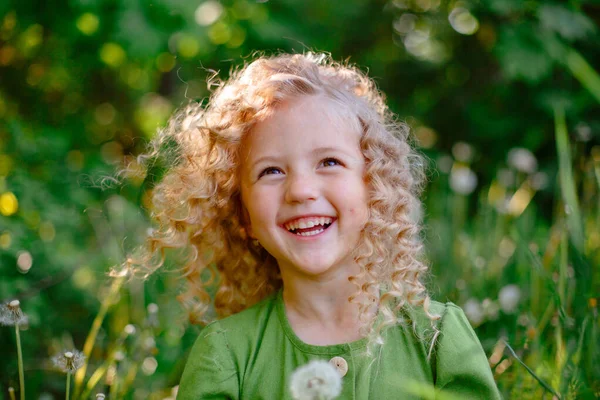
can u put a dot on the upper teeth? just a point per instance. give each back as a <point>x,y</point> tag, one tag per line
<point>304,223</point>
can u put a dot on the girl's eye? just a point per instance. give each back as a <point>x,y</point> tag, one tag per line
<point>331,162</point>
<point>270,171</point>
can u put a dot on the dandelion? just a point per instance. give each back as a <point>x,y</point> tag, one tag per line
<point>317,380</point>
<point>474,311</point>
<point>100,396</point>
<point>463,180</point>
<point>12,315</point>
<point>69,362</point>
<point>522,160</point>
<point>509,297</point>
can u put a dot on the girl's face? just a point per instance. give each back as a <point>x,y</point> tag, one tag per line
<point>303,189</point>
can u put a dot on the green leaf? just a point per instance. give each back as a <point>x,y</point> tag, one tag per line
<point>571,25</point>
<point>521,54</point>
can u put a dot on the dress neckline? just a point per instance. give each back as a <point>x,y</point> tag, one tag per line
<point>311,348</point>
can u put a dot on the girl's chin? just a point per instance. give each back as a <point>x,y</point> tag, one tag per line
<point>313,268</point>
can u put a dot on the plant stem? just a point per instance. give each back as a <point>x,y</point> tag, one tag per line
<point>567,179</point>
<point>583,72</point>
<point>68,385</point>
<point>20,358</point>
<point>91,338</point>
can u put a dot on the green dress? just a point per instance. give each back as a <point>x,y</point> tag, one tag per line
<point>252,354</point>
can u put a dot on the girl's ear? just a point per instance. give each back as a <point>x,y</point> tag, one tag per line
<point>246,223</point>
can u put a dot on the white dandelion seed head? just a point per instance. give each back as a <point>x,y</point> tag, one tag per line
<point>11,314</point>
<point>69,361</point>
<point>509,297</point>
<point>316,380</point>
<point>474,311</point>
<point>100,396</point>
<point>522,160</point>
<point>463,180</point>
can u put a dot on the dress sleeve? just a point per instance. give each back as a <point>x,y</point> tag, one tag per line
<point>462,368</point>
<point>210,372</point>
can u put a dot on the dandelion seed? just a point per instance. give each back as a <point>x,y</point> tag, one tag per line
<point>316,380</point>
<point>100,396</point>
<point>509,297</point>
<point>463,180</point>
<point>130,329</point>
<point>69,361</point>
<point>12,315</point>
<point>474,311</point>
<point>522,160</point>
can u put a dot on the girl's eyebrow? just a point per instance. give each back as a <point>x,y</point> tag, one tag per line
<point>317,151</point>
<point>322,150</point>
<point>262,159</point>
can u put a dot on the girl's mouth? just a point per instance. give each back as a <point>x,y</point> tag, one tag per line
<point>315,230</point>
<point>310,226</point>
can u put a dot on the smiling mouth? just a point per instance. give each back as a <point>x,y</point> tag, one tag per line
<point>315,230</point>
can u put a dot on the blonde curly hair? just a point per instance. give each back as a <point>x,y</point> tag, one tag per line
<point>197,205</point>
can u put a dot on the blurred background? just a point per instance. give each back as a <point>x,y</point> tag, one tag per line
<point>503,97</point>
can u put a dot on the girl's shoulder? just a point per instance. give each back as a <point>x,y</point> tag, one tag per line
<point>442,323</point>
<point>421,320</point>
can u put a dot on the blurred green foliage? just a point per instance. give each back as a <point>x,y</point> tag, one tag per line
<point>497,92</point>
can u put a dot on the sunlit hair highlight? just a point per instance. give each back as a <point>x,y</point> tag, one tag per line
<point>197,205</point>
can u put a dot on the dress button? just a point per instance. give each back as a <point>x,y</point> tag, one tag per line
<point>340,364</point>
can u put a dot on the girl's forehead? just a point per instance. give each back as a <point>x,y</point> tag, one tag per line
<point>301,124</point>
<point>308,114</point>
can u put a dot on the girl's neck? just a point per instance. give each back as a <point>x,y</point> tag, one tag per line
<point>321,306</point>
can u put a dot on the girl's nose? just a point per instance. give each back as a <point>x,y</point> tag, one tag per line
<point>300,189</point>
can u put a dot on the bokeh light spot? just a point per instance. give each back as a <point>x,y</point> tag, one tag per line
<point>112,54</point>
<point>219,33</point>
<point>238,37</point>
<point>242,9</point>
<point>105,113</point>
<point>208,13</point>
<point>24,261</point>
<point>188,46</point>
<point>112,152</point>
<point>88,23</point>
<point>83,277</point>
<point>47,231</point>
<point>149,365</point>
<point>35,73</point>
<point>462,21</point>
<point>8,204</point>
<point>7,54</point>
<point>153,111</point>
<point>31,38</point>
<point>426,137</point>
<point>9,23</point>
<point>165,62</point>
<point>5,240</point>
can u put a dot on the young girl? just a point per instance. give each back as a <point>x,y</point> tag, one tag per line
<point>297,192</point>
